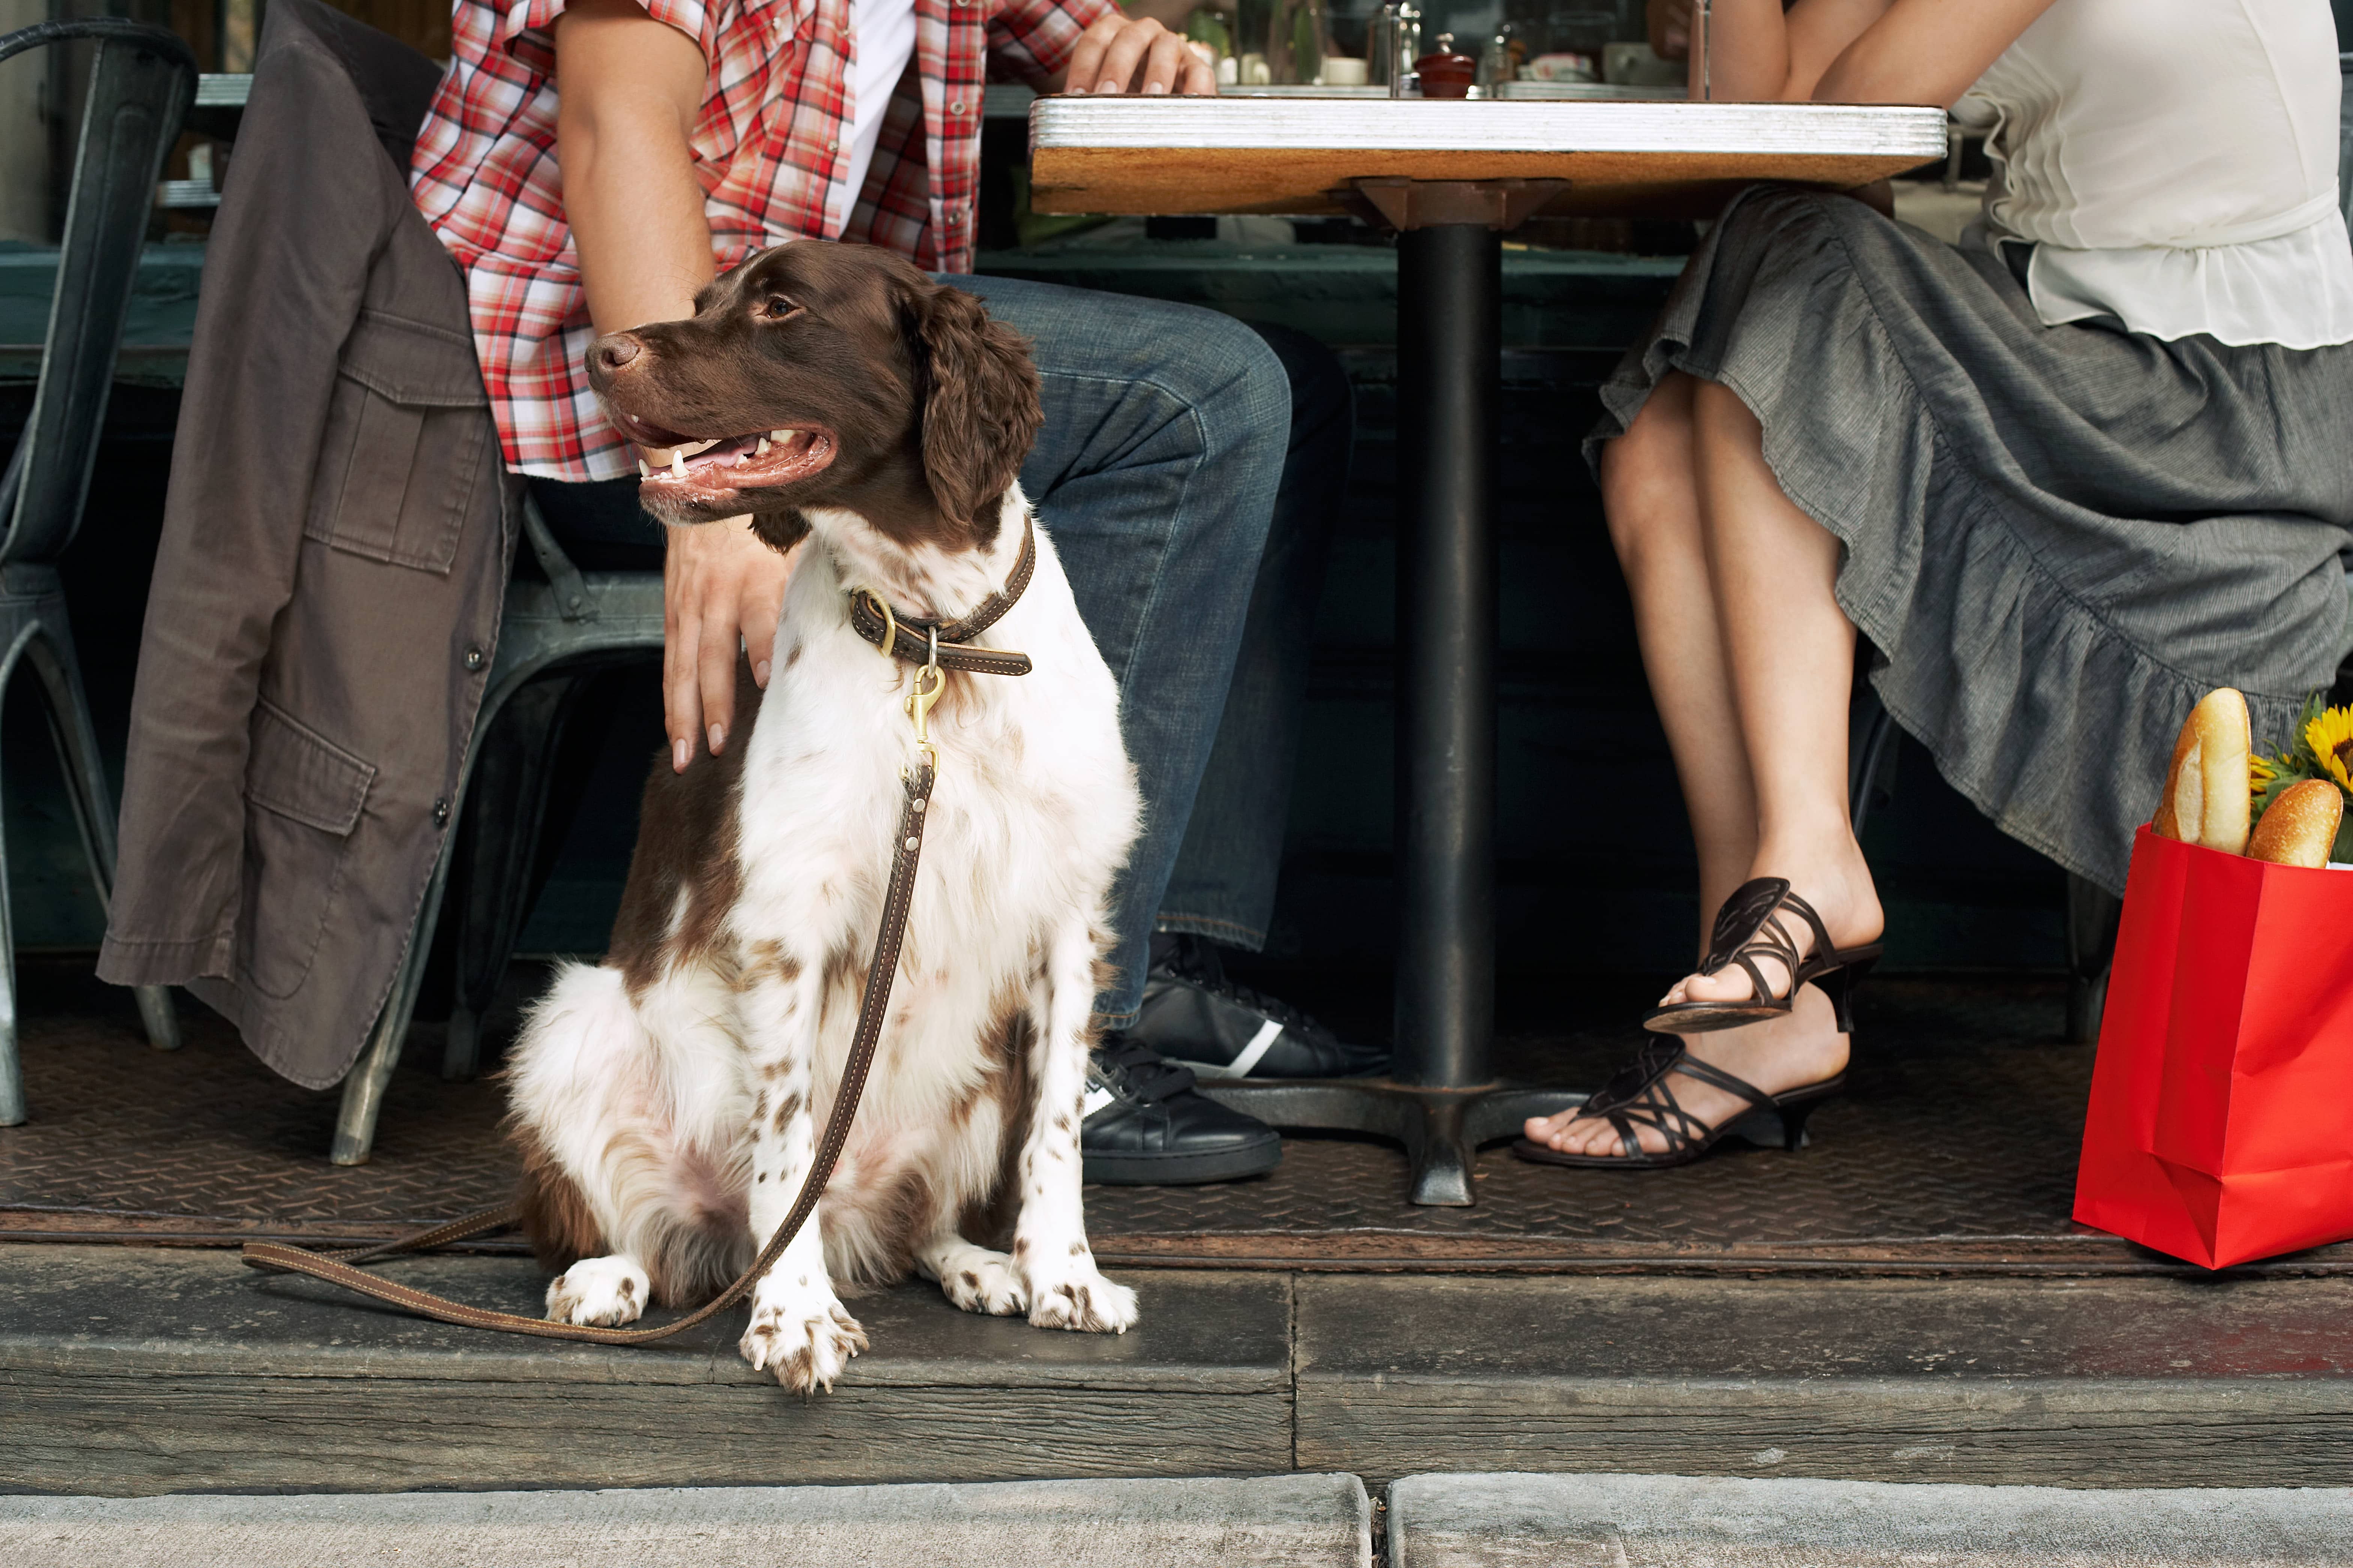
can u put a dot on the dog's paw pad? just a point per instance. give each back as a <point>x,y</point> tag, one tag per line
<point>1090,1304</point>
<point>805,1346</point>
<point>987,1285</point>
<point>599,1293</point>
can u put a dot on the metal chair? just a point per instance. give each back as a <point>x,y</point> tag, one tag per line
<point>139,86</point>
<point>553,637</point>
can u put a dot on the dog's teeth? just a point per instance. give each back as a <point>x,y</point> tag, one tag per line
<point>678,462</point>
<point>764,447</point>
<point>781,437</point>
<point>691,449</point>
<point>644,469</point>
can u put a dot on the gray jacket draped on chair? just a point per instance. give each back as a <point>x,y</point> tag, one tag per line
<point>334,551</point>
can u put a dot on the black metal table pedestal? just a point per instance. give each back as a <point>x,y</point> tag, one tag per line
<point>1442,1100</point>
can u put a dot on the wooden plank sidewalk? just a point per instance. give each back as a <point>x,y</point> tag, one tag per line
<point>130,1370</point>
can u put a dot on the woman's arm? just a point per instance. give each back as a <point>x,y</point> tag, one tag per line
<point>1859,51</point>
<point>627,91</point>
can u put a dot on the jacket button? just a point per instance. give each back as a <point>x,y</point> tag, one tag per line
<point>441,812</point>
<point>474,660</point>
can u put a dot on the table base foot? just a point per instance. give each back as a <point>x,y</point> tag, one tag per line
<point>1440,1129</point>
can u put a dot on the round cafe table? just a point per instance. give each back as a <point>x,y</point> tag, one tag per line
<point>1452,177</point>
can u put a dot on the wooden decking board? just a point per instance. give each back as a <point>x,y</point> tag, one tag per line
<point>2070,1382</point>
<point>127,1370</point>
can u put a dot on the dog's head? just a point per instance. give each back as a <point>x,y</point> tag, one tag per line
<point>824,375</point>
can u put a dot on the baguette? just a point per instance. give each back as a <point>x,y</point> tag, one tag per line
<point>2165,825</point>
<point>2207,795</point>
<point>2300,828</point>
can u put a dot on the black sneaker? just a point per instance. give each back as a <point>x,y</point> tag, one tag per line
<point>1146,1126</point>
<point>1197,1018</point>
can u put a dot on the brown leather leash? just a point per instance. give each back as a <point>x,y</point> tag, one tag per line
<point>341,1267</point>
<point>931,639</point>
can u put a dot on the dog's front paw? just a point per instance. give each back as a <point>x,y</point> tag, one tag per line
<point>984,1282</point>
<point>603,1293</point>
<point>1081,1299</point>
<point>805,1336</point>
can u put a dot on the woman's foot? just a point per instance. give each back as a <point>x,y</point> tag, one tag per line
<point>1777,1055</point>
<point>1840,889</point>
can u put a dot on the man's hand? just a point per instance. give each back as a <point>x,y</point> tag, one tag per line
<point>1130,54</point>
<point>720,583</point>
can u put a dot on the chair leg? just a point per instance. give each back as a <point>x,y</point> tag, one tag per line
<point>365,1085</point>
<point>1869,755</point>
<point>2092,914</point>
<point>499,847</point>
<point>371,1076</point>
<point>75,737</point>
<point>12,1111</point>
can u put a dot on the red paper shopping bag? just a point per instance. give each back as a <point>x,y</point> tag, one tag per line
<point>2221,1126</point>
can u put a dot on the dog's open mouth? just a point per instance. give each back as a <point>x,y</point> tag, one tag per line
<point>685,468</point>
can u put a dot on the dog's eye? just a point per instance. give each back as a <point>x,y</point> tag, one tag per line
<point>777,307</point>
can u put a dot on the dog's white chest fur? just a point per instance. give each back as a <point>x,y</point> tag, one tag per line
<point>678,1089</point>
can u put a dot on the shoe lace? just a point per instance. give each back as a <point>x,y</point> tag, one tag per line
<point>1136,1072</point>
<point>1195,962</point>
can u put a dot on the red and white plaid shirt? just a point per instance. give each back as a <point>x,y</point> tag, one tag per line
<point>774,132</point>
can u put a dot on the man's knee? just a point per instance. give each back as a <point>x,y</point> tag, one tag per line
<point>1233,377</point>
<point>1321,396</point>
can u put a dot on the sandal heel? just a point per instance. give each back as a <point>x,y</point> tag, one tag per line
<point>1793,1123</point>
<point>1779,1127</point>
<point>1839,985</point>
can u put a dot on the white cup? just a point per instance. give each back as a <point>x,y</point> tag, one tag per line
<point>1341,71</point>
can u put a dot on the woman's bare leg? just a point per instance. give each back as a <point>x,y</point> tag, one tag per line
<point>1649,489</point>
<point>1787,654</point>
<point>1651,497</point>
<point>1792,653</point>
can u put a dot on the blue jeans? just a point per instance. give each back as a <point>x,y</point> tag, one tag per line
<point>1171,443</point>
<point>1223,885</point>
<point>1174,439</point>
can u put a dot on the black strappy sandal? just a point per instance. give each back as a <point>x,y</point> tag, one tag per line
<point>1749,928</point>
<point>1639,1097</point>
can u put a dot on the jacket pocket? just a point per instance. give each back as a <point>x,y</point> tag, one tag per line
<point>305,796</point>
<point>408,428</point>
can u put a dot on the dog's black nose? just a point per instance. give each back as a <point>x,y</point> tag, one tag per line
<point>611,354</point>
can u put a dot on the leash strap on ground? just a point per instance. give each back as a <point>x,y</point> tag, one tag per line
<point>339,1267</point>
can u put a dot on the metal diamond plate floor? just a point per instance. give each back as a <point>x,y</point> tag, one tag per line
<point>1955,1152</point>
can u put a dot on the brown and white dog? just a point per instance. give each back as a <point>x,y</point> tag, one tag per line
<point>666,1099</point>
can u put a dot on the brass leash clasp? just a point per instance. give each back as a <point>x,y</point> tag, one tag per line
<point>930,681</point>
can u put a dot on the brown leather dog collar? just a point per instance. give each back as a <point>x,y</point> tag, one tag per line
<point>913,638</point>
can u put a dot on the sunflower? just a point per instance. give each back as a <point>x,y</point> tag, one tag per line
<point>2328,736</point>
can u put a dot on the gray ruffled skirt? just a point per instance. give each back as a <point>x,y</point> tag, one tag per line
<point>2057,538</point>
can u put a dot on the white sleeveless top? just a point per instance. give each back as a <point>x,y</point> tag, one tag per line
<point>2175,163</point>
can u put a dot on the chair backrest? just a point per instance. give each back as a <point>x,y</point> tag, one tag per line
<point>140,87</point>
<point>2345,138</point>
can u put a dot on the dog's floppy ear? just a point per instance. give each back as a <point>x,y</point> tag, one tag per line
<point>979,391</point>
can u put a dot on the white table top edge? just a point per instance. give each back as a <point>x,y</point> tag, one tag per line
<point>1518,125</point>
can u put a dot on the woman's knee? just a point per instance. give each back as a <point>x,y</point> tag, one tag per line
<point>1648,493</point>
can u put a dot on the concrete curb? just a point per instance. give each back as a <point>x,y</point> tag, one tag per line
<point>1518,1520</point>
<point>1296,1521</point>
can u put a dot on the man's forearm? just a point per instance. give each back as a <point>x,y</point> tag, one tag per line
<point>628,89</point>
